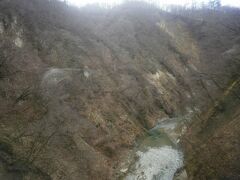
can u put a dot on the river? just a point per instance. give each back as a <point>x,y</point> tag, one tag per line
<point>158,155</point>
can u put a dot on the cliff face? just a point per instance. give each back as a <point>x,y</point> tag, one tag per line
<point>77,87</point>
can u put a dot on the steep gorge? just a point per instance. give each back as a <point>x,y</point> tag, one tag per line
<point>79,86</point>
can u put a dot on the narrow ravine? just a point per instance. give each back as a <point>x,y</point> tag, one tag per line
<point>158,156</point>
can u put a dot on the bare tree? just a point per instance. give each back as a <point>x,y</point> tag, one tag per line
<point>214,4</point>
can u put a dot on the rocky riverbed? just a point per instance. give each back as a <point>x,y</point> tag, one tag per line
<point>158,156</point>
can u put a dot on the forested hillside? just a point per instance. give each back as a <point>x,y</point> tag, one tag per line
<point>79,86</point>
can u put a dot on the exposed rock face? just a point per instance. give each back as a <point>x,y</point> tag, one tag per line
<point>77,87</point>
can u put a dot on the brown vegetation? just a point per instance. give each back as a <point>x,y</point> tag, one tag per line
<point>78,86</point>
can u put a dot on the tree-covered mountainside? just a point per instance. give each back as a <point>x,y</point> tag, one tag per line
<point>78,87</point>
